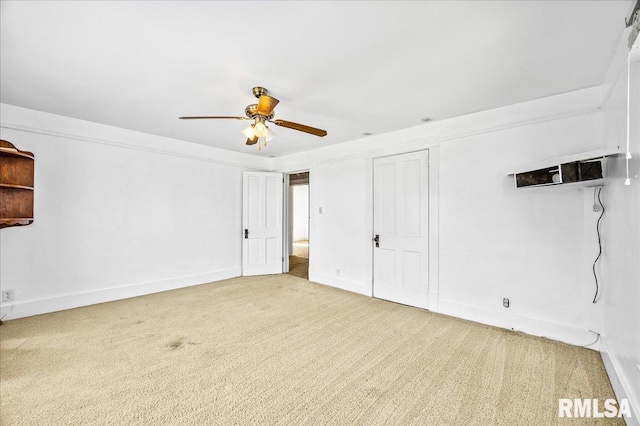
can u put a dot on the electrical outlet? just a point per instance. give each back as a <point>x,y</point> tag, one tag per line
<point>337,271</point>
<point>8,295</point>
<point>505,302</point>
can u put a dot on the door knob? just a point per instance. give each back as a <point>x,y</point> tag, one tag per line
<point>377,240</point>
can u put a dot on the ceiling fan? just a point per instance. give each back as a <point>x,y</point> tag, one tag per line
<point>260,114</point>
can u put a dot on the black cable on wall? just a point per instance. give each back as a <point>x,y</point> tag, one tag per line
<point>595,296</point>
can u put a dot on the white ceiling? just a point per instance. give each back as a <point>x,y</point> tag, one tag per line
<point>347,67</point>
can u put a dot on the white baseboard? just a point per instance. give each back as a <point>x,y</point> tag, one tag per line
<point>341,283</point>
<point>536,327</point>
<point>619,383</point>
<point>433,301</point>
<point>29,308</point>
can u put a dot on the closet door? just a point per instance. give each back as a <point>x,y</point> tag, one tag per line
<point>262,223</point>
<point>401,229</point>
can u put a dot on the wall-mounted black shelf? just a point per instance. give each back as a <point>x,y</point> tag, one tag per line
<point>584,169</point>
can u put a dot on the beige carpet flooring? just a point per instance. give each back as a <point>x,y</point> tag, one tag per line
<point>299,260</point>
<point>280,350</point>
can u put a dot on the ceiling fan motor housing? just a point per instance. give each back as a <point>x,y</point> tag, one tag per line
<point>259,91</point>
<point>251,111</point>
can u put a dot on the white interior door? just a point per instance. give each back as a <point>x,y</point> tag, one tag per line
<point>401,209</point>
<point>262,223</point>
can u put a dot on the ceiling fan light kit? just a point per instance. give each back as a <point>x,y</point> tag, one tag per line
<point>262,112</point>
<point>249,132</point>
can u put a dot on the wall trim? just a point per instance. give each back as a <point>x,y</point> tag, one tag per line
<point>434,228</point>
<point>536,327</point>
<point>341,283</point>
<point>75,300</point>
<point>418,143</point>
<point>445,137</point>
<point>547,109</point>
<point>123,145</point>
<point>619,383</point>
<point>423,142</point>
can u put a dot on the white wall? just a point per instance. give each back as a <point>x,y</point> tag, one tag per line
<point>526,245</point>
<point>118,214</point>
<point>339,236</point>
<point>300,212</point>
<point>494,241</point>
<point>621,238</point>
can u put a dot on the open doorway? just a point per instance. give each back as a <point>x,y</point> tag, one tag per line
<point>299,225</point>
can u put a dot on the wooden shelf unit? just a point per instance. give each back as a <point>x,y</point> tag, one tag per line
<point>16,186</point>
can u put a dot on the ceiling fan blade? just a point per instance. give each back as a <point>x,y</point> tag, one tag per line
<point>209,117</point>
<point>300,127</point>
<point>252,141</point>
<point>266,104</point>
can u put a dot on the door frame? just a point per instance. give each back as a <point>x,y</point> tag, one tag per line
<point>433,220</point>
<point>287,218</point>
<point>286,210</point>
